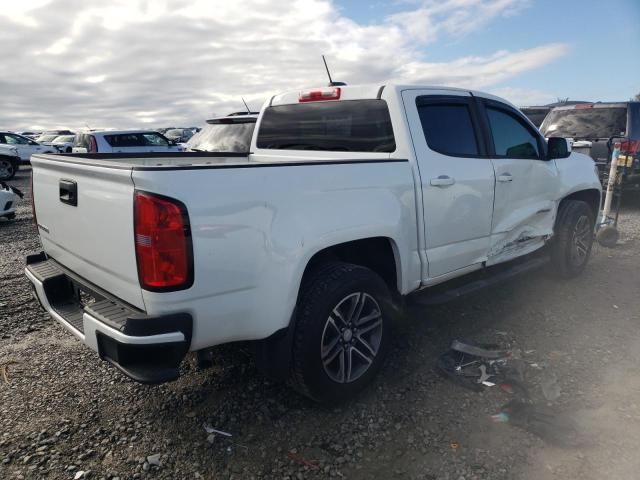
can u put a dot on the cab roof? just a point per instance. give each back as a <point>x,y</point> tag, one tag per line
<point>373,91</point>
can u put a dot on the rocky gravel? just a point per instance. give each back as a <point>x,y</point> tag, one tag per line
<point>65,414</point>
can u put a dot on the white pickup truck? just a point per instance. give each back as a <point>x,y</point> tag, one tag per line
<point>351,199</point>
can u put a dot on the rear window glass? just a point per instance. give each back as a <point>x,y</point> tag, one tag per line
<point>128,140</point>
<point>342,126</point>
<point>580,123</point>
<point>448,128</point>
<point>222,137</point>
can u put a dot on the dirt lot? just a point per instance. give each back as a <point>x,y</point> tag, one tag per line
<point>64,412</point>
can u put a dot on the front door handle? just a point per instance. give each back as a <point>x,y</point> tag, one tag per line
<point>505,177</point>
<point>442,181</point>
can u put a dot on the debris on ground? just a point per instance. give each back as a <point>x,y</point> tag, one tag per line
<point>478,366</point>
<point>297,457</point>
<point>553,426</point>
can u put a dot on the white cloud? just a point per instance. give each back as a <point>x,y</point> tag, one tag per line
<point>523,96</point>
<point>179,62</point>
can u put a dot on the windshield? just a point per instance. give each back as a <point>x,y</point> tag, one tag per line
<point>175,133</point>
<point>222,137</point>
<point>342,126</point>
<point>47,138</point>
<point>586,123</point>
<point>64,139</point>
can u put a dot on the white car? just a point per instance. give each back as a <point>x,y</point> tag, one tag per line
<point>123,141</point>
<point>63,143</point>
<point>8,200</point>
<point>23,146</point>
<point>351,199</point>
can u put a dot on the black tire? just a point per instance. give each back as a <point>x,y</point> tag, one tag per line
<point>335,286</point>
<point>11,216</point>
<point>571,246</point>
<point>8,168</point>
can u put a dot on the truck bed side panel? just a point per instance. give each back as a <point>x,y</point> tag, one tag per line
<point>254,229</point>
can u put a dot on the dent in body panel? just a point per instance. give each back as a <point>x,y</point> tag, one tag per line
<point>524,237</point>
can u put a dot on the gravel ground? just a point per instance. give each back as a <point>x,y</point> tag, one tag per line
<point>65,414</point>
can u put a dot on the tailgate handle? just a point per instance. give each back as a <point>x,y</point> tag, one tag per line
<point>69,192</point>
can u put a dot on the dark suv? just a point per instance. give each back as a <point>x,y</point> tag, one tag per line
<point>594,127</point>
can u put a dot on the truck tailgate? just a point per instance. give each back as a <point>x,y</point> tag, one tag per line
<point>85,220</point>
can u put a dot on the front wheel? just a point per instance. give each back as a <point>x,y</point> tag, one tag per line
<point>571,247</point>
<point>8,169</point>
<point>342,332</point>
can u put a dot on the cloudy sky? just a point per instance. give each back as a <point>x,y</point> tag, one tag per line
<point>110,63</point>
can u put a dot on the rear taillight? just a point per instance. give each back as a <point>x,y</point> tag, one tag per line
<point>630,147</point>
<point>320,95</point>
<point>93,145</point>
<point>33,203</point>
<point>163,243</point>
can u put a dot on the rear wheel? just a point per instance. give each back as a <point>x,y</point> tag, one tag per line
<point>342,332</point>
<point>573,240</point>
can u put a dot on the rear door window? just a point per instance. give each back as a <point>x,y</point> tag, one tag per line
<point>341,126</point>
<point>511,137</point>
<point>584,123</point>
<point>125,140</point>
<point>448,127</point>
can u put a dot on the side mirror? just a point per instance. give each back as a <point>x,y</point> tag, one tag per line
<point>558,147</point>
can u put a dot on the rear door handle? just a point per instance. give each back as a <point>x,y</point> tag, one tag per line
<point>69,192</point>
<point>505,177</point>
<point>443,181</point>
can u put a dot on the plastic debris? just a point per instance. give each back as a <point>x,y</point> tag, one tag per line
<point>550,388</point>
<point>474,366</point>
<point>212,433</point>
<point>209,429</point>
<point>296,457</point>
<point>552,426</point>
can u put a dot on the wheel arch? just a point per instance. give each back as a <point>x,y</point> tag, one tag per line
<point>591,196</point>
<point>379,254</point>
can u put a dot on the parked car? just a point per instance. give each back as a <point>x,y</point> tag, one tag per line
<point>225,134</point>
<point>9,162</point>
<point>537,114</point>
<point>123,141</point>
<point>351,199</point>
<point>179,135</point>
<point>31,135</point>
<point>64,143</point>
<point>8,199</point>
<point>49,136</point>
<point>23,146</point>
<point>594,126</point>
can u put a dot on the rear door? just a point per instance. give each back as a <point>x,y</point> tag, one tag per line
<point>526,183</point>
<point>456,176</point>
<point>85,219</point>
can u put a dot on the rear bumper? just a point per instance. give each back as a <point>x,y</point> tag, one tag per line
<point>147,348</point>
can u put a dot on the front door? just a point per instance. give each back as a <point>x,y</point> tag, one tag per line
<point>526,183</point>
<point>457,178</point>
<point>24,146</point>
